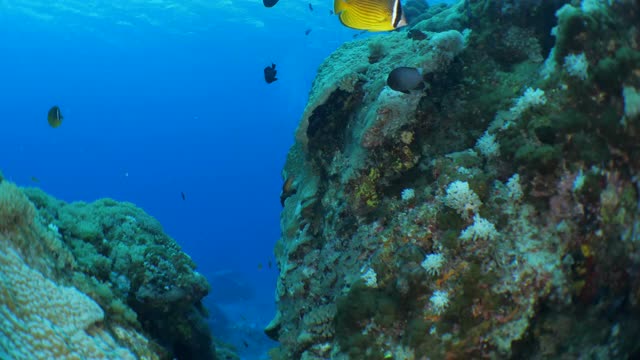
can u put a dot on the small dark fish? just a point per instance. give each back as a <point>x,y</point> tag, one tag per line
<point>269,3</point>
<point>415,34</point>
<point>330,12</point>
<point>405,79</point>
<point>35,179</point>
<point>310,7</point>
<point>54,117</point>
<point>270,73</point>
<point>307,32</point>
<point>246,344</point>
<point>270,265</point>
<point>183,196</point>
<point>260,266</point>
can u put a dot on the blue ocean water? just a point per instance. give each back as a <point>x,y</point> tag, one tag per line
<point>161,98</point>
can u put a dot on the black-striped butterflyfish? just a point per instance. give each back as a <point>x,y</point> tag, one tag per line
<point>371,15</point>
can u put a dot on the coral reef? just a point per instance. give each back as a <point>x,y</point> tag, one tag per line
<point>39,316</point>
<point>95,280</point>
<point>495,214</point>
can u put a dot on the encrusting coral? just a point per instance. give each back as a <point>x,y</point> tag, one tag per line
<point>39,317</point>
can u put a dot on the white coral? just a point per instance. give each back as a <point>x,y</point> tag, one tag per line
<point>577,66</point>
<point>487,145</point>
<point>432,263</point>
<point>480,229</point>
<point>461,198</point>
<point>370,278</point>
<point>439,301</point>
<point>408,194</point>
<point>529,100</point>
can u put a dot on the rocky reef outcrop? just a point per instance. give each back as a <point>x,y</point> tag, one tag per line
<point>95,280</point>
<point>494,214</point>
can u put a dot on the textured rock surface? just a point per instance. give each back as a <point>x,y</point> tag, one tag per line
<point>491,215</point>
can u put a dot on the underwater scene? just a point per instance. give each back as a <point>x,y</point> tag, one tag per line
<point>346,179</point>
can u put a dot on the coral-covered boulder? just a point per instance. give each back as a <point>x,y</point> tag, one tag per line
<point>494,214</point>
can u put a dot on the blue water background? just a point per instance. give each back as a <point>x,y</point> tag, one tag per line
<point>161,98</point>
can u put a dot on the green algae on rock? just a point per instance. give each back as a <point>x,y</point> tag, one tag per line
<point>519,175</point>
